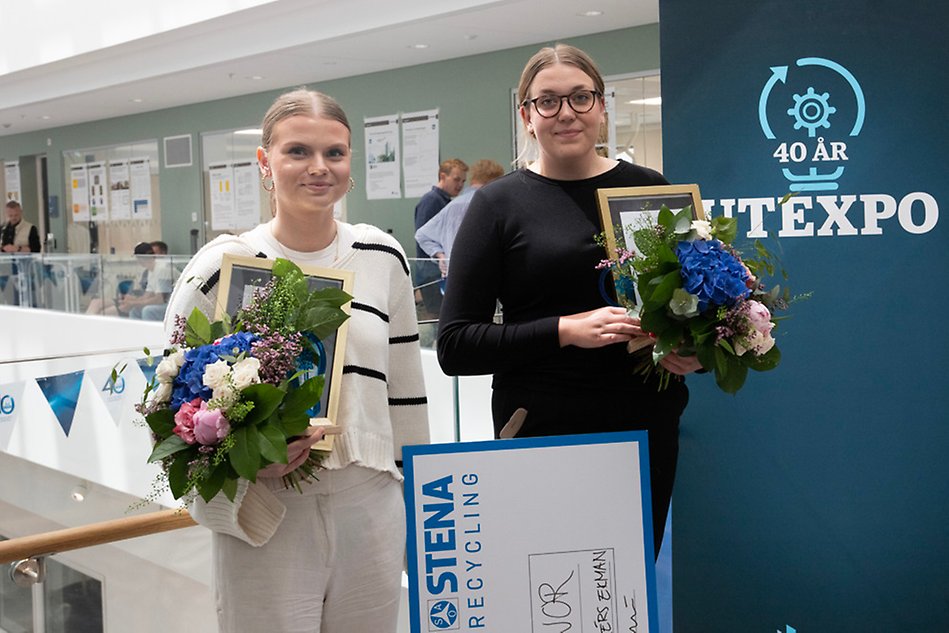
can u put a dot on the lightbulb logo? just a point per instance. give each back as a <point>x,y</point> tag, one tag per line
<point>443,614</point>
<point>818,161</point>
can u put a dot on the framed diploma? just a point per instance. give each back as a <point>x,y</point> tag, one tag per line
<point>531,535</point>
<point>241,276</point>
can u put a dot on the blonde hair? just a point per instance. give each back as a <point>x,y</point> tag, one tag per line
<point>451,163</point>
<point>544,58</point>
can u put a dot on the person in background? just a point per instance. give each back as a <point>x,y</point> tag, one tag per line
<point>452,174</point>
<point>163,276</point>
<point>129,292</point>
<point>17,235</point>
<point>529,242</point>
<point>159,247</point>
<point>328,559</point>
<point>438,234</point>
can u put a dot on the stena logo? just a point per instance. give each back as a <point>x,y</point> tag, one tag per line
<point>440,548</point>
<point>7,404</point>
<point>443,614</point>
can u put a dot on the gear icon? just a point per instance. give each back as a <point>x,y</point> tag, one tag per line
<point>811,111</point>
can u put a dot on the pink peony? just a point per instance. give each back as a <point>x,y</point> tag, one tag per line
<point>758,338</point>
<point>184,420</point>
<point>210,425</point>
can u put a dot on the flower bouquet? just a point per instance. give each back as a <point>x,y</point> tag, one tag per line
<point>229,395</point>
<point>695,295</point>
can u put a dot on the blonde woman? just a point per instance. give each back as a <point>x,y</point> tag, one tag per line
<point>328,560</point>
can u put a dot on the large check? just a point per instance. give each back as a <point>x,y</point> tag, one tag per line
<point>531,535</point>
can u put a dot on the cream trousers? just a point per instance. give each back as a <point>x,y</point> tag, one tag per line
<point>334,564</point>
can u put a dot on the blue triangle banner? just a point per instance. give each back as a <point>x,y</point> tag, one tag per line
<point>148,370</point>
<point>62,393</point>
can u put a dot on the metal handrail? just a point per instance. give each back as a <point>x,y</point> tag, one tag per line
<point>38,545</point>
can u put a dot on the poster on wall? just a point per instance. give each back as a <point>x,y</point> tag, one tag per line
<point>419,151</point>
<point>246,195</point>
<point>140,181</point>
<point>503,537</point>
<point>79,184</point>
<point>11,173</point>
<point>98,198</point>
<point>120,207</point>
<point>220,180</point>
<point>383,174</point>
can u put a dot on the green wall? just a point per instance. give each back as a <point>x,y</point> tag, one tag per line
<point>471,93</point>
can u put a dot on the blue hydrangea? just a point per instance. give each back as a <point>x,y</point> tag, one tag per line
<point>711,273</point>
<point>189,384</point>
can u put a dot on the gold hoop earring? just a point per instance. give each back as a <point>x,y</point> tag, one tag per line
<point>263,183</point>
<point>352,184</point>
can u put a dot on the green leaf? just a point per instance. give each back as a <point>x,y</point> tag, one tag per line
<point>169,446</point>
<point>217,331</point>
<point>212,485</point>
<point>666,218</point>
<point>683,221</point>
<point>265,398</point>
<point>322,320</point>
<point>197,329</point>
<point>294,424</point>
<point>162,422</point>
<point>303,397</point>
<point>178,476</point>
<point>230,488</point>
<point>767,361</point>
<point>662,291</point>
<point>273,444</point>
<point>245,454</point>
<point>725,229</point>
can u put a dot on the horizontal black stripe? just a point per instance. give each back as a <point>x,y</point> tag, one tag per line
<point>383,249</point>
<point>401,402</point>
<point>364,371</point>
<point>411,338</point>
<point>371,310</point>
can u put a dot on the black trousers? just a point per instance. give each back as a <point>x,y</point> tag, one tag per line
<point>569,414</point>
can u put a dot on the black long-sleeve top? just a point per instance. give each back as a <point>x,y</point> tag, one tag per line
<point>528,241</point>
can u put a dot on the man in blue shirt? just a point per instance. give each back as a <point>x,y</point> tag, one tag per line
<point>451,179</point>
<point>436,236</point>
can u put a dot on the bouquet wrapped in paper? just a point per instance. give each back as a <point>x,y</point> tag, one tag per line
<point>695,294</point>
<point>228,396</point>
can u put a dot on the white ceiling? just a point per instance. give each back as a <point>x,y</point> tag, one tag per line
<point>260,45</point>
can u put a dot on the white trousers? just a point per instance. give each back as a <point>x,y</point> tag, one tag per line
<point>333,566</point>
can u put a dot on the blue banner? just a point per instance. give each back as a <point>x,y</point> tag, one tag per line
<point>62,394</point>
<point>815,499</point>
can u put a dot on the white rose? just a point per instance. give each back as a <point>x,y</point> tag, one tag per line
<point>178,357</point>
<point>215,374</point>
<point>246,373</point>
<point>161,394</point>
<point>167,370</point>
<point>224,395</point>
<point>703,229</point>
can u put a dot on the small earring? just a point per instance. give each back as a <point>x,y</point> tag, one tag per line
<point>263,183</point>
<point>352,184</point>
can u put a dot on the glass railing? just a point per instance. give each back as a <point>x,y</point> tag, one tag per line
<point>118,286</point>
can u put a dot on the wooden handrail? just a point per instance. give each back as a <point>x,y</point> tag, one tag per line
<point>94,534</point>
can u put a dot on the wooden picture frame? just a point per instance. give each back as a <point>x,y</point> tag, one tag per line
<point>240,276</point>
<point>623,207</point>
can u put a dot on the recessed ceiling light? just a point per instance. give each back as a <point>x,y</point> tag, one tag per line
<point>419,46</point>
<point>471,36</point>
<point>136,100</point>
<point>590,14</point>
<point>650,101</point>
<point>46,117</point>
<point>256,77</point>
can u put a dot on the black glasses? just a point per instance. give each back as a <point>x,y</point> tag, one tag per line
<point>548,106</point>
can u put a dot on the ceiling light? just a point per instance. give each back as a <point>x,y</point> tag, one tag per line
<point>250,132</point>
<point>590,14</point>
<point>419,46</point>
<point>256,77</point>
<point>471,36</point>
<point>46,117</point>
<point>136,100</point>
<point>650,101</point>
<point>79,492</point>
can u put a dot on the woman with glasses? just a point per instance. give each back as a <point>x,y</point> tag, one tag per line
<point>529,243</point>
